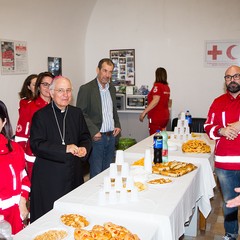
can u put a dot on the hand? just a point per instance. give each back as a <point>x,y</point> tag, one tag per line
<point>229,132</point>
<point>23,208</point>
<point>82,151</point>
<point>235,126</point>
<point>235,201</point>
<point>73,149</point>
<point>116,131</point>
<point>97,137</point>
<point>142,116</point>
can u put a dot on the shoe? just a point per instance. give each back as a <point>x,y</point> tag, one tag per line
<point>228,237</point>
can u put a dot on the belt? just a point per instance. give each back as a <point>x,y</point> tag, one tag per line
<point>107,133</point>
<point>7,203</point>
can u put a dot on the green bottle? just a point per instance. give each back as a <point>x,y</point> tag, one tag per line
<point>165,146</point>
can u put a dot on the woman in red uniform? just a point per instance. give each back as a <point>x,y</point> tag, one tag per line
<point>14,184</point>
<point>158,98</point>
<point>41,99</point>
<point>26,94</point>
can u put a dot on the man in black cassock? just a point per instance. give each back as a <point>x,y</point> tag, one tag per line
<point>61,141</point>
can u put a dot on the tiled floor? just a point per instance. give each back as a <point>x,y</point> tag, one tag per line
<point>214,226</point>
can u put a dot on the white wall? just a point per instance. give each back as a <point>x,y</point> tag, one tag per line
<point>54,28</point>
<point>168,33</point>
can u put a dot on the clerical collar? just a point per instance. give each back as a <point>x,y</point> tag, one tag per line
<point>57,108</point>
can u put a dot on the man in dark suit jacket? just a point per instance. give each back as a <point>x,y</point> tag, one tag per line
<point>97,99</point>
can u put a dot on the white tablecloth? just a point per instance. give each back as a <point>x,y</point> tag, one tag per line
<point>159,213</point>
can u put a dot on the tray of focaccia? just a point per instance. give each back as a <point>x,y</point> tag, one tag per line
<point>196,146</point>
<point>173,168</point>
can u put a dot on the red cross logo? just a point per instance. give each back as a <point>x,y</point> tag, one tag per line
<point>214,52</point>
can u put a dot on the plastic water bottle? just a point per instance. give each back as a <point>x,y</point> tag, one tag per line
<point>5,229</point>
<point>157,146</point>
<point>164,146</point>
<point>188,117</point>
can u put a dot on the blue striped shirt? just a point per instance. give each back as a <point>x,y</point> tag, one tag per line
<point>107,109</point>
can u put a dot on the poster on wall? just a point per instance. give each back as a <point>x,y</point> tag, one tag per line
<point>222,53</point>
<point>14,59</point>
<point>124,66</point>
<point>55,65</point>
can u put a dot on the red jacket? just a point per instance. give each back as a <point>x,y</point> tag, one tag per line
<point>14,180</point>
<point>21,135</point>
<point>14,183</point>
<point>224,110</point>
<point>26,112</point>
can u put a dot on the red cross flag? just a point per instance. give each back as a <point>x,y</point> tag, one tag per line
<point>222,53</point>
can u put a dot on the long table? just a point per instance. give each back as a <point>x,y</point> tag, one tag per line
<point>159,213</point>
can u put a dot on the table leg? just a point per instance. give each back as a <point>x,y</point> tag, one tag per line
<point>202,222</point>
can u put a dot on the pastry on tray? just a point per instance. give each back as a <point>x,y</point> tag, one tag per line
<point>196,146</point>
<point>173,168</point>
<point>160,181</point>
<point>109,231</point>
<point>74,220</point>
<point>53,234</point>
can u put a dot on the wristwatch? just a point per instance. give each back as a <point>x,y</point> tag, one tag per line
<point>219,132</point>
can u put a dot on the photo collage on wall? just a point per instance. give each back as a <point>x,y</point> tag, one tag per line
<point>124,67</point>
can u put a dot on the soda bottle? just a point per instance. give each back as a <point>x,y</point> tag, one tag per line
<point>157,146</point>
<point>188,117</point>
<point>5,229</point>
<point>164,146</point>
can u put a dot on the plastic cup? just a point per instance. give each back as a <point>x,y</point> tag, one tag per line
<point>118,184</point>
<point>107,184</point>
<point>134,195</point>
<point>182,116</point>
<point>112,197</point>
<point>123,196</point>
<point>125,170</point>
<point>181,131</point>
<point>129,183</point>
<point>101,197</point>
<point>113,170</point>
<point>148,161</point>
<point>119,157</point>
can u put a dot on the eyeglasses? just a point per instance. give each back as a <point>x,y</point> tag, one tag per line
<point>228,78</point>
<point>63,91</point>
<point>45,84</point>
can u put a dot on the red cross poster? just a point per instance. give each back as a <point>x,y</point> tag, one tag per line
<point>222,53</point>
<point>14,57</point>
